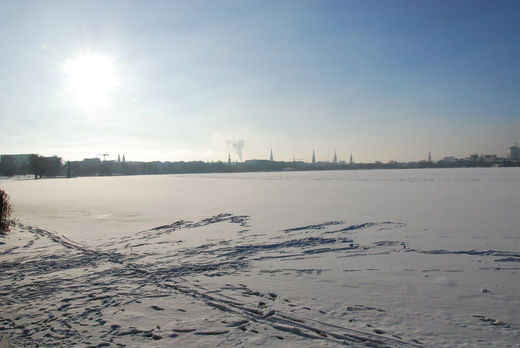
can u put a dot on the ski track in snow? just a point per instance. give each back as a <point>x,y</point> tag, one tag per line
<point>56,292</point>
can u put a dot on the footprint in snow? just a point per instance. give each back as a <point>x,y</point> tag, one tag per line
<point>208,333</point>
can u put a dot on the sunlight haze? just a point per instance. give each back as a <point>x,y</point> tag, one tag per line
<point>169,80</point>
<point>90,79</point>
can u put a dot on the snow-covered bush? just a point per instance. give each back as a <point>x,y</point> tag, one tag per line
<point>5,212</point>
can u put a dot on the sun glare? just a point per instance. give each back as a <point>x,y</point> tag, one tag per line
<point>90,79</point>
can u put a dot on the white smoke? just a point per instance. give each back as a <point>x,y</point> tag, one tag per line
<point>236,144</point>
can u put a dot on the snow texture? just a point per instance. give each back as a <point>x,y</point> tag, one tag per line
<point>406,258</point>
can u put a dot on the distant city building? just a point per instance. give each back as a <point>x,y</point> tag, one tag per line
<point>23,164</point>
<point>313,157</point>
<point>429,156</point>
<point>89,161</point>
<point>229,158</point>
<point>335,159</point>
<point>271,157</point>
<point>351,161</point>
<point>257,162</point>
<point>18,160</point>
<point>514,153</point>
<point>488,158</point>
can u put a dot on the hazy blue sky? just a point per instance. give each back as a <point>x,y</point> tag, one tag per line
<point>184,80</point>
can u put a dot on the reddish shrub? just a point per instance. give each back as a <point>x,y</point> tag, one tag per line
<point>5,212</point>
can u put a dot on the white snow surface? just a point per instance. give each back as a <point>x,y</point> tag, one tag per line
<point>397,258</point>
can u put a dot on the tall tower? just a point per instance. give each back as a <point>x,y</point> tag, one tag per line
<point>429,156</point>
<point>271,157</point>
<point>351,161</point>
<point>335,160</point>
<point>313,157</point>
<point>229,158</point>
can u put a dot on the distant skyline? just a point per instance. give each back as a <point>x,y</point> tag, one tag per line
<point>198,80</point>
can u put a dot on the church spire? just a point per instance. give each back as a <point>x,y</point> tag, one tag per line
<point>271,157</point>
<point>313,157</point>
<point>335,160</point>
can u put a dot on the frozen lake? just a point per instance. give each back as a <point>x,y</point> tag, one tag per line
<point>388,257</point>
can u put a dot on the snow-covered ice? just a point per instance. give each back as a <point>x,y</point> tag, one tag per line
<point>397,258</point>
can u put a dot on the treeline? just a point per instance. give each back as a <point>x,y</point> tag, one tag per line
<point>94,166</point>
<point>32,164</point>
<point>40,166</point>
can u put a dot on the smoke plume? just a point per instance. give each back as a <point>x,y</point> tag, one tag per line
<point>229,142</point>
<point>238,146</point>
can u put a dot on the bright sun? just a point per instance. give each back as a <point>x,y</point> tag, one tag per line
<point>91,78</point>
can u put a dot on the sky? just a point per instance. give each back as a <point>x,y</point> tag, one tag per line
<point>198,80</point>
